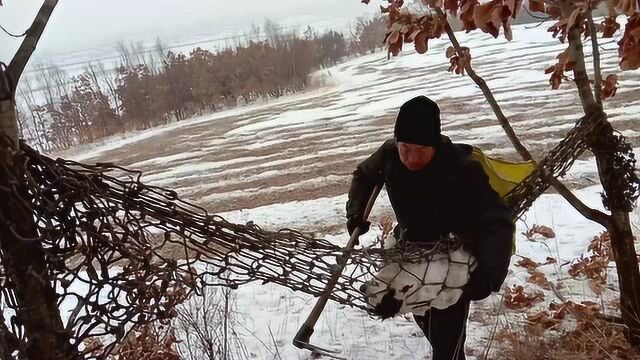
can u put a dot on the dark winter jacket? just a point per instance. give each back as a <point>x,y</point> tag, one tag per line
<point>450,195</point>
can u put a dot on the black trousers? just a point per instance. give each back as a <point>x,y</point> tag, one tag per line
<point>446,330</point>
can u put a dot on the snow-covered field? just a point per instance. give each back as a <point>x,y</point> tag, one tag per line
<point>287,163</point>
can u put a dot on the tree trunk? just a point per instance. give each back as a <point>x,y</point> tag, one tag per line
<point>619,227</point>
<point>8,116</point>
<point>8,120</point>
<point>628,275</point>
<point>23,258</point>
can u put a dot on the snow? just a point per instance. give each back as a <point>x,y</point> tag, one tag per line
<point>312,183</point>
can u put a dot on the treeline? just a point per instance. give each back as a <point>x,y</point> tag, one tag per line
<point>150,88</point>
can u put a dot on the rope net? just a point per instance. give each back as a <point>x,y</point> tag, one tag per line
<point>106,237</point>
<point>556,163</point>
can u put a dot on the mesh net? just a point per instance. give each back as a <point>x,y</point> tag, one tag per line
<point>557,162</point>
<point>435,280</point>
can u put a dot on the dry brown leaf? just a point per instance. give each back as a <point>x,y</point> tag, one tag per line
<point>601,245</point>
<point>565,63</point>
<point>629,45</point>
<point>460,61</point>
<point>594,267</point>
<point>92,345</point>
<point>466,14</point>
<point>422,42</point>
<point>506,25</point>
<point>597,286</point>
<point>585,311</point>
<point>405,27</point>
<point>452,7</point>
<point>609,27</point>
<point>542,230</point>
<point>436,26</point>
<point>565,58</point>
<point>393,37</point>
<point>527,263</point>
<point>542,319</point>
<point>450,52</point>
<point>545,231</point>
<point>610,86</point>
<point>538,278</point>
<point>488,17</point>
<point>573,19</point>
<point>536,6</point>
<point>394,42</point>
<point>517,298</point>
<point>558,27</point>
<point>514,6</point>
<point>385,225</point>
<point>411,36</point>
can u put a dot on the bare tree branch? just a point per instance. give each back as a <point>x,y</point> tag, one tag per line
<point>520,148</point>
<point>576,51</point>
<point>597,71</point>
<point>12,34</point>
<point>20,60</point>
<point>589,213</point>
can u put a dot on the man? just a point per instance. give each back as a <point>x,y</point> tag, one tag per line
<point>436,188</point>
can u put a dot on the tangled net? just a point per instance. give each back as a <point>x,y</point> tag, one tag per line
<point>106,236</point>
<point>557,162</point>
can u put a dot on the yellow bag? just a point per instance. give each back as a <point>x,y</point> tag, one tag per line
<point>504,175</point>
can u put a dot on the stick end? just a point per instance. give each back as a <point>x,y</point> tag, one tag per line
<point>302,337</point>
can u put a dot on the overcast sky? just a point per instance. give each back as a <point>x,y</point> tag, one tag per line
<point>81,24</point>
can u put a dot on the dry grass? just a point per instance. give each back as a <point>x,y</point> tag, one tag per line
<point>594,340</point>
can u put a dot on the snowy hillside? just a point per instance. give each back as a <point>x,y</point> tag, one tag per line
<point>288,164</point>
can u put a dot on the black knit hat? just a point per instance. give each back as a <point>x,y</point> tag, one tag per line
<point>418,122</point>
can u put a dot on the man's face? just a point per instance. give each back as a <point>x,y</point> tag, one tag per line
<point>415,157</point>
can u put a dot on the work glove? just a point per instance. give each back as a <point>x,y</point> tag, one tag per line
<point>357,222</point>
<point>478,287</point>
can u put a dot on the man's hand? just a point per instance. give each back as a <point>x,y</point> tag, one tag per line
<point>357,222</point>
<point>479,286</point>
